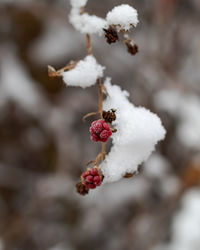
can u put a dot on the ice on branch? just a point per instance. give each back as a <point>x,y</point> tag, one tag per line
<point>78,3</point>
<point>86,24</point>
<point>138,131</point>
<point>123,17</point>
<point>85,74</point>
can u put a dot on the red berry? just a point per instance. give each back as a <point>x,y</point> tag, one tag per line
<point>94,171</point>
<point>97,180</point>
<point>92,178</point>
<point>100,131</point>
<point>89,178</point>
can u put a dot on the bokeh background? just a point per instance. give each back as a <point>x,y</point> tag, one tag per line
<point>44,144</point>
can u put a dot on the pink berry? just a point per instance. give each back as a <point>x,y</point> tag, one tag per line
<point>94,171</point>
<point>97,180</point>
<point>92,178</point>
<point>100,131</point>
<point>89,178</point>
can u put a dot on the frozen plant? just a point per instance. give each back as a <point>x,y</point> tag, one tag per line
<point>134,130</point>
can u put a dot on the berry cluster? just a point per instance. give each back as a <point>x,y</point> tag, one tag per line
<point>100,131</point>
<point>92,178</point>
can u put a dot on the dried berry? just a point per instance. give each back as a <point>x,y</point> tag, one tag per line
<point>100,131</point>
<point>131,46</point>
<point>82,188</point>
<point>109,116</point>
<point>111,35</point>
<point>92,178</point>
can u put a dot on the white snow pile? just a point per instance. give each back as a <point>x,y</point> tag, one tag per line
<point>85,23</point>
<point>85,74</point>
<point>123,16</point>
<point>138,131</point>
<point>186,108</point>
<point>78,3</point>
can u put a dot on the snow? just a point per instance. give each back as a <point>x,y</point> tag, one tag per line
<point>78,3</point>
<point>138,131</point>
<point>85,74</point>
<point>85,23</point>
<point>123,16</point>
<point>185,107</point>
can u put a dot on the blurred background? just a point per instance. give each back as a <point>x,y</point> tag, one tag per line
<point>44,144</point>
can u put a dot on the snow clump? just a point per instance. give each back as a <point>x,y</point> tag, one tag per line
<point>123,17</point>
<point>85,74</point>
<point>138,131</point>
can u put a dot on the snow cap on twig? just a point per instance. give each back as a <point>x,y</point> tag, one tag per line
<point>85,23</point>
<point>85,74</point>
<point>123,17</point>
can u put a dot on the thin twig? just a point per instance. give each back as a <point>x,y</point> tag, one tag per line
<point>89,46</point>
<point>57,73</point>
<point>88,115</point>
<point>101,90</point>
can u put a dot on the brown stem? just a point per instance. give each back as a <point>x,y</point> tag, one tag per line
<point>103,150</point>
<point>100,93</point>
<point>57,73</point>
<point>89,46</point>
<point>102,155</point>
<point>88,115</point>
<point>67,67</point>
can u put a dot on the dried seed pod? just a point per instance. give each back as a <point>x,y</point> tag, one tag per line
<point>109,116</point>
<point>132,47</point>
<point>82,188</point>
<point>111,35</point>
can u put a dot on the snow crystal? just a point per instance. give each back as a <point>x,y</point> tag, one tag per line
<point>85,73</point>
<point>86,24</point>
<point>78,3</point>
<point>138,131</point>
<point>185,108</point>
<point>123,16</point>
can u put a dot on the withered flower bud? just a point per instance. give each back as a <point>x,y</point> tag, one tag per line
<point>132,48</point>
<point>111,35</point>
<point>81,188</point>
<point>109,116</point>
